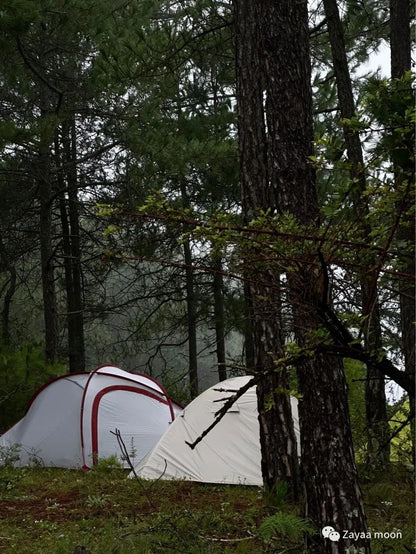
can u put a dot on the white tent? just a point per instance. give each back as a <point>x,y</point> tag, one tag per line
<point>68,422</point>
<point>230,453</point>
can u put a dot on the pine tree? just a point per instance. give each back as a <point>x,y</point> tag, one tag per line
<point>273,61</point>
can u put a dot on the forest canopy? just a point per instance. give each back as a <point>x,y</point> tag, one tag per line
<point>174,194</point>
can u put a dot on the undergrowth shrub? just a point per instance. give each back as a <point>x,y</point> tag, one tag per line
<point>23,370</point>
<point>9,455</point>
<point>285,524</point>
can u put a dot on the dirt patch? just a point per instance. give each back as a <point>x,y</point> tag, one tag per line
<point>55,509</point>
<point>73,505</point>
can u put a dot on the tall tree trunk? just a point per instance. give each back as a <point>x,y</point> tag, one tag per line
<point>279,461</point>
<point>75,304</point>
<point>278,441</point>
<point>10,290</point>
<point>47,266</point>
<point>333,495</point>
<point>68,203</point>
<point>378,451</point>
<point>273,48</point>
<point>192,320</point>
<point>45,192</point>
<point>218,289</point>
<point>400,49</point>
<point>191,307</point>
<point>400,39</point>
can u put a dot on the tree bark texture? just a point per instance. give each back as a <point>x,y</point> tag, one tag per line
<point>47,266</point>
<point>400,52</point>
<point>277,438</point>
<point>69,210</point>
<point>400,39</point>
<point>75,300</point>
<point>10,289</point>
<point>273,52</point>
<point>378,431</point>
<point>191,308</point>
<point>219,317</point>
<point>333,495</point>
<point>45,193</point>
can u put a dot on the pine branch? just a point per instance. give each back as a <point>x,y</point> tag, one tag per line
<point>28,62</point>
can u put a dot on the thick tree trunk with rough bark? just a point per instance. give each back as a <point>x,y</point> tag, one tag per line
<point>277,437</point>
<point>278,442</point>
<point>400,51</point>
<point>400,40</point>
<point>378,451</point>
<point>333,495</point>
<point>273,49</point>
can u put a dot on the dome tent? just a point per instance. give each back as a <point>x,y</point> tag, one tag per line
<point>229,454</point>
<point>68,422</point>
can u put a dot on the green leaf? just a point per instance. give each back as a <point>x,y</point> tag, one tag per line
<point>111,229</point>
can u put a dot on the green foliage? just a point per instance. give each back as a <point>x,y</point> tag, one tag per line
<point>392,103</point>
<point>165,73</point>
<point>276,496</point>
<point>111,229</point>
<point>9,454</point>
<point>63,509</point>
<point>401,444</point>
<point>282,523</point>
<point>285,524</point>
<point>104,464</point>
<point>96,501</point>
<point>174,385</point>
<point>22,371</point>
<point>11,133</point>
<point>390,504</point>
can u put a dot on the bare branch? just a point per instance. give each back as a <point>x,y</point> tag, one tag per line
<point>230,401</point>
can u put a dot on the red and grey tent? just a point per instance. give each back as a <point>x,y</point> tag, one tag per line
<point>70,421</point>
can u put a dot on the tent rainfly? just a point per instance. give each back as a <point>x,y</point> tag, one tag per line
<point>68,422</point>
<point>229,454</point>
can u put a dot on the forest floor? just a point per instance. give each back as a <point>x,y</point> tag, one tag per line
<point>57,511</point>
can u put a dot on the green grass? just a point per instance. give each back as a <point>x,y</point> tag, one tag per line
<point>54,511</point>
<point>390,505</point>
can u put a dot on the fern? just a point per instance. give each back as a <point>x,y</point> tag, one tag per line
<point>285,524</point>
